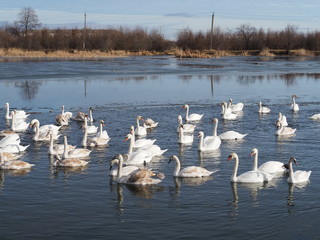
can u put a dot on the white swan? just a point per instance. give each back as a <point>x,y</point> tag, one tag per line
<point>208,143</point>
<point>102,133</point>
<point>238,107</point>
<point>153,150</point>
<point>45,134</point>
<point>247,177</point>
<point>13,164</point>
<point>272,167</point>
<point>294,106</point>
<point>191,171</point>
<point>126,170</point>
<point>150,123</point>
<point>228,135</point>
<point>73,153</point>
<point>19,113</point>
<point>57,149</point>
<point>88,142</point>
<point>187,127</point>
<point>140,130</point>
<point>184,137</point>
<point>284,130</point>
<point>66,114</point>
<point>45,128</point>
<point>193,116</point>
<point>141,176</point>
<point>315,116</point>
<point>297,176</point>
<point>283,119</point>
<point>90,129</point>
<point>263,109</point>
<point>13,148</point>
<point>10,139</point>
<point>69,163</point>
<point>20,126</point>
<point>140,143</point>
<point>227,114</point>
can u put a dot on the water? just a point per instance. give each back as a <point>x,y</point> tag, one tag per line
<point>52,203</point>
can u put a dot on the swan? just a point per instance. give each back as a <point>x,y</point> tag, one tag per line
<point>7,156</point>
<point>315,116</point>
<point>235,107</point>
<point>193,116</point>
<point>102,133</point>
<point>263,109</point>
<point>13,164</point>
<point>21,126</point>
<point>297,176</point>
<point>80,117</point>
<point>153,150</point>
<point>229,135</point>
<point>13,148</point>
<point>45,128</point>
<point>184,137</point>
<point>140,143</point>
<point>191,171</point>
<point>149,123</point>
<point>140,176</point>
<point>284,130</point>
<point>73,153</point>
<point>227,114</point>
<point>19,113</point>
<point>271,167</point>
<point>208,143</point>
<point>45,134</point>
<point>294,106</point>
<point>70,162</point>
<point>247,177</point>
<point>88,142</point>
<point>126,170</point>
<point>282,119</point>
<point>62,120</point>
<point>90,129</point>
<point>6,133</point>
<point>10,139</point>
<point>140,130</point>
<point>55,149</point>
<point>187,127</point>
<point>66,114</point>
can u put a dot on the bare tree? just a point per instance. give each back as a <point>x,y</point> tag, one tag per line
<point>247,32</point>
<point>27,20</point>
<point>290,33</point>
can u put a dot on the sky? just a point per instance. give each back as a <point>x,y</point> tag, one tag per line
<point>169,16</point>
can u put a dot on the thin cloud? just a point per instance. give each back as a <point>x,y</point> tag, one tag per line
<point>181,14</point>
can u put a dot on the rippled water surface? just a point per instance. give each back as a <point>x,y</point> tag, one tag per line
<point>51,203</point>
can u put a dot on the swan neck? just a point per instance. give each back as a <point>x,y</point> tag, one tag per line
<point>255,163</point>
<point>37,133</point>
<point>215,129</point>
<point>177,168</point>
<point>7,111</point>
<point>51,144</point>
<point>65,151</point>
<point>291,171</point>
<point>201,142</point>
<point>85,136</point>
<point>119,175</point>
<point>187,114</point>
<point>235,170</point>
<point>130,146</point>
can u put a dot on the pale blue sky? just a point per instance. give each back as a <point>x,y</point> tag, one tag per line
<point>170,16</point>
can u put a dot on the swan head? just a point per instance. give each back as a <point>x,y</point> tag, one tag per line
<point>179,118</point>
<point>172,158</point>
<point>185,106</point>
<point>140,118</point>
<point>294,96</point>
<point>6,105</point>
<point>129,136</point>
<point>232,156</point>
<point>214,120</point>
<point>254,151</point>
<point>200,134</point>
<point>278,124</point>
<point>102,122</point>
<point>115,160</point>
<point>294,160</point>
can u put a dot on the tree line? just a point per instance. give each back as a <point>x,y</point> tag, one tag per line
<point>27,33</point>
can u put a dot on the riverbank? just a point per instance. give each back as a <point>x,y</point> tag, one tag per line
<point>14,54</point>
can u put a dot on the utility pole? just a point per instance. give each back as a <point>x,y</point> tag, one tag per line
<point>211,30</point>
<point>84,31</point>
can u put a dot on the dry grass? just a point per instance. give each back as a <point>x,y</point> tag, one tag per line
<point>266,52</point>
<point>302,52</point>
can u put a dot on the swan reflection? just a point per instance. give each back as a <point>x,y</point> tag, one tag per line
<point>291,187</point>
<point>211,154</point>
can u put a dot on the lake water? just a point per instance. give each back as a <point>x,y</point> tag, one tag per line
<point>50,203</point>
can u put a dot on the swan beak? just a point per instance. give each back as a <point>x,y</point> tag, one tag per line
<point>126,139</point>
<point>229,158</point>
<point>251,154</point>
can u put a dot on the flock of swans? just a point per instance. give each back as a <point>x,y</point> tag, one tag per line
<point>131,166</point>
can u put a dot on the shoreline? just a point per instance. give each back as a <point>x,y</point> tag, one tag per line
<point>24,55</point>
